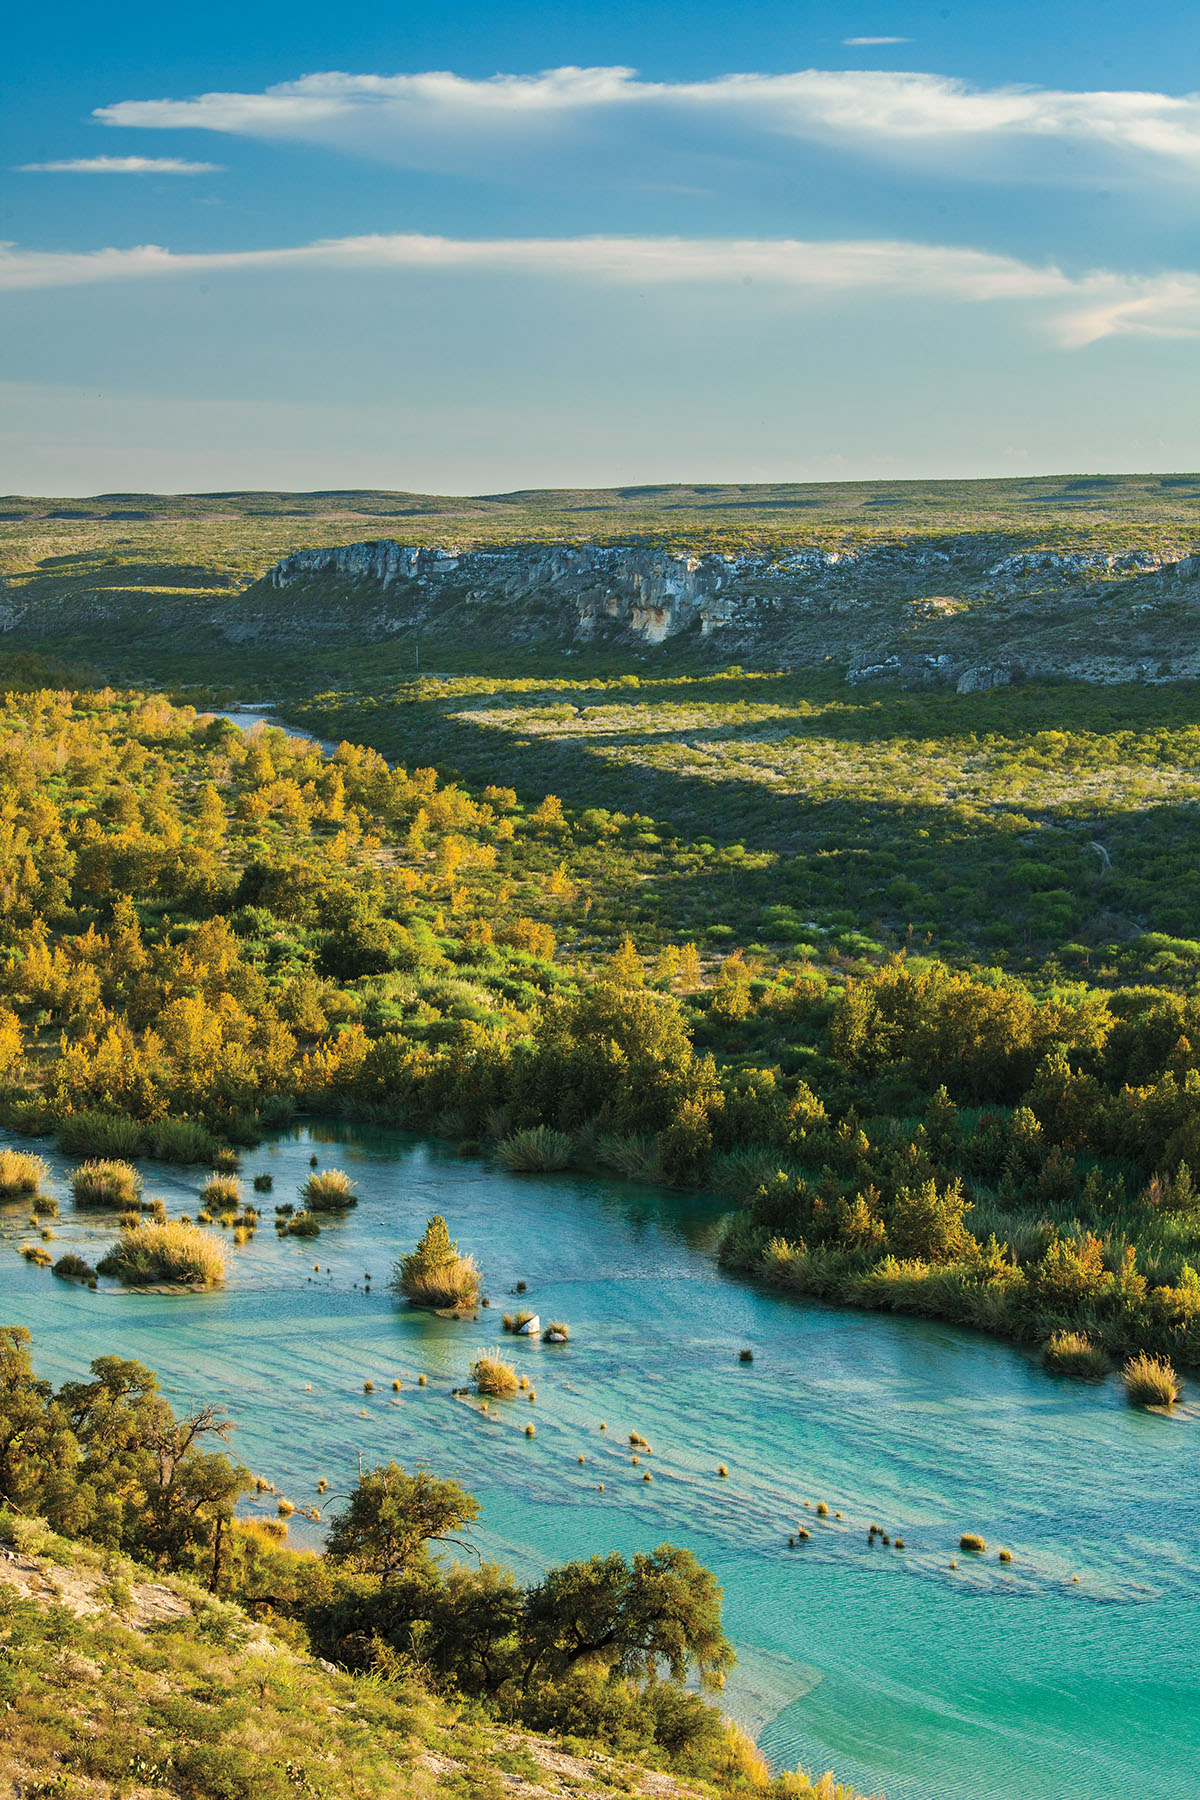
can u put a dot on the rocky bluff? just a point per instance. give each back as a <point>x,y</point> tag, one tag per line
<point>953,613</point>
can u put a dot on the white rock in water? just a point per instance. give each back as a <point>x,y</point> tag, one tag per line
<point>530,1328</point>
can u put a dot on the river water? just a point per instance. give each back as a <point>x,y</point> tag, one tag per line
<point>988,1682</point>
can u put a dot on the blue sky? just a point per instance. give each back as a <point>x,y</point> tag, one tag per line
<point>466,249</point>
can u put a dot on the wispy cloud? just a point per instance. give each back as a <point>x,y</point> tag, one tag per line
<point>859,43</point>
<point>121,165</point>
<point>1077,310</point>
<point>440,120</point>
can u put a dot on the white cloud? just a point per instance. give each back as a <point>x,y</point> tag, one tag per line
<point>121,165</point>
<point>861,42</point>
<point>1077,309</point>
<point>440,120</point>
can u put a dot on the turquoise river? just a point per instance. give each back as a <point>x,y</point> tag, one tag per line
<point>1070,1672</point>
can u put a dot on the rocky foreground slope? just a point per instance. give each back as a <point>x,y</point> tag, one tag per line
<point>950,614</point>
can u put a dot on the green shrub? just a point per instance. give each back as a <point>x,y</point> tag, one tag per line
<point>435,1274</point>
<point>535,1151</point>
<point>101,1134</point>
<point>73,1268</point>
<point>105,1182</point>
<point>1074,1353</point>
<point>181,1141</point>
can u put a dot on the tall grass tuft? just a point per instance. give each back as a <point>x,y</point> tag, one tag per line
<point>181,1141</point>
<point>331,1190</point>
<point>557,1332</point>
<point>536,1151</point>
<point>1074,1353</point>
<point>106,1182</point>
<point>220,1192</point>
<point>100,1134</point>
<point>435,1274</point>
<point>71,1267</point>
<point>166,1251</point>
<point>1150,1381</point>
<point>20,1173</point>
<point>492,1375</point>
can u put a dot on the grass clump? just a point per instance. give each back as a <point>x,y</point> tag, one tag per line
<point>330,1190</point>
<point>435,1274</point>
<point>1150,1381</point>
<point>557,1332</point>
<point>514,1322</point>
<point>220,1192</point>
<point>493,1375</point>
<point>536,1151</point>
<point>263,1184</point>
<point>71,1267</point>
<point>34,1253</point>
<point>1074,1353</point>
<point>181,1141</point>
<point>100,1134</point>
<point>105,1181</point>
<point>970,1540</point>
<point>20,1173</point>
<point>303,1225</point>
<point>165,1250</point>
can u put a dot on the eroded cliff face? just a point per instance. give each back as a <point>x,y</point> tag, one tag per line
<point>957,616</point>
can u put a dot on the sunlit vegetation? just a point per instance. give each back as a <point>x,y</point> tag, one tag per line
<point>20,1173</point>
<point>492,1374</point>
<point>1150,1381</point>
<point>1074,1353</point>
<point>167,1251</point>
<point>330,1190</point>
<point>116,1185</point>
<point>436,1274</point>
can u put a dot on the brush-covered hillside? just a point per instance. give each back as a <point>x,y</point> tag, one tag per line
<point>966,584</point>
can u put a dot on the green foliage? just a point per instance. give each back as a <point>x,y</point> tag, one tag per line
<point>393,1516</point>
<point>435,1274</point>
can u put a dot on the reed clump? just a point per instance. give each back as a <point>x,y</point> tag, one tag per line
<point>557,1332</point>
<point>165,1251</point>
<point>263,1184</point>
<point>20,1173</point>
<point>105,1181</point>
<point>302,1225</point>
<point>71,1267</point>
<point>1150,1381</point>
<point>1074,1353</point>
<point>435,1274</point>
<point>33,1253</point>
<point>330,1190</point>
<point>970,1540</point>
<point>493,1375</point>
<point>537,1151</point>
<point>514,1322</point>
<point>221,1192</point>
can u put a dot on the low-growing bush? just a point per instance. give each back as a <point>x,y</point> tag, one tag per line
<point>100,1134</point>
<point>331,1190</point>
<point>1074,1353</point>
<point>1150,1381</point>
<point>181,1141</point>
<point>73,1268</point>
<point>537,1151</point>
<point>435,1274</point>
<point>106,1182</point>
<point>165,1251</point>
<point>303,1225</point>
<point>492,1375</point>
<point>20,1173</point>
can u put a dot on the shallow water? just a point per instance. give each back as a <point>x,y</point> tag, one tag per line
<point>989,1683</point>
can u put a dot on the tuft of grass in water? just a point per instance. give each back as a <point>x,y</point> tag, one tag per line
<point>1004,1556</point>
<point>512,1322</point>
<point>970,1540</point>
<point>1074,1353</point>
<point>536,1151</point>
<point>20,1173</point>
<point>34,1253</point>
<point>822,1510</point>
<point>1150,1381</point>
<point>226,1159</point>
<point>105,1181</point>
<point>746,1356</point>
<point>302,1225</point>
<point>221,1192</point>
<point>493,1375</point>
<point>721,1469</point>
<point>263,1184</point>
<point>531,1431</point>
<point>557,1332</point>
<point>368,1387</point>
<point>73,1268</point>
<point>329,1191</point>
<point>435,1274</point>
<point>165,1251</point>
